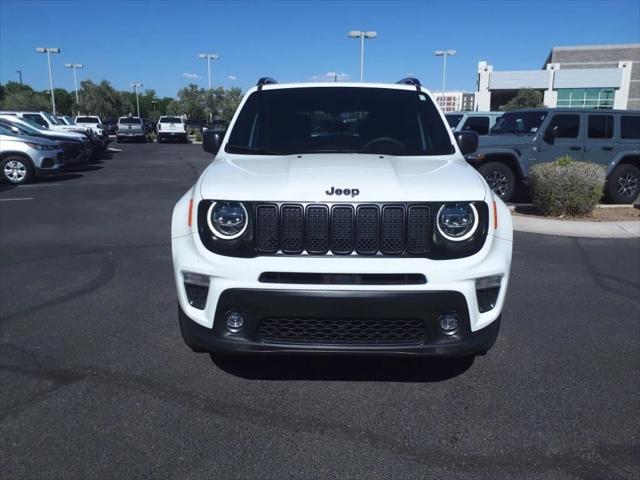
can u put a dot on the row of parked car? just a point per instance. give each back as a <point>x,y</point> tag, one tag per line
<point>36,144</point>
<point>510,143</point>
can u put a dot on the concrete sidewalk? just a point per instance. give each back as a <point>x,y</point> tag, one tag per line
<point>569,228</point>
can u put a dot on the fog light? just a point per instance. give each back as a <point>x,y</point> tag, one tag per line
<point>449,323</point>
<point>234,321</point>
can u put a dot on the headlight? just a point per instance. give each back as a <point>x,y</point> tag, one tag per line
<point>40,146</point>
<point>457,221</point>
<point>227,220</point>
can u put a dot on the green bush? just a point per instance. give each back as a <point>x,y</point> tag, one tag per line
<point>198,136</point>
<point>567,187</point>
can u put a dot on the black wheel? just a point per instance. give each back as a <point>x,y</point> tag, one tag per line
<point>119,140</point>
<point>623,184</point>
<point>500,178</point>
<point>16,170</point>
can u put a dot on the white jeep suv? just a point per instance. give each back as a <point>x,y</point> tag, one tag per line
<point>340,218</point>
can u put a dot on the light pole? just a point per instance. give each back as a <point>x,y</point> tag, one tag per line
<point>362,36</point>
<point>135,89</point>
<point>19,72</point>
<point>49,51</point>
<point>445,54</point>
<point>208,57</point>
<point>75,80</point>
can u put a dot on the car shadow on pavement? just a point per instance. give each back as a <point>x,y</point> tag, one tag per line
<point>84,168</point>
<point>342,368</point>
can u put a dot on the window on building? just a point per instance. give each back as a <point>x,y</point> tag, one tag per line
<point>480,125</point>
<point>585,97</point>
<point>630,126</point>
<point>600,126</point>
<point>568,126</point>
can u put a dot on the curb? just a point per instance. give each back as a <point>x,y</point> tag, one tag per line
<point>567,228</point>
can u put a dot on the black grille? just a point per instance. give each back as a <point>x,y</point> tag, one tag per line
<point>341,331</point>
<point>292,229</point>
<point>342,229</point>
<point>392,229</point>
<point>317,229</point>
<point>267,228</point>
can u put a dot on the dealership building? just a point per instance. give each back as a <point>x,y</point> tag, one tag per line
<point>590,76</point>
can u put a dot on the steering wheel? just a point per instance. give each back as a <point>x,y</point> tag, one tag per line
<point>396,143</point>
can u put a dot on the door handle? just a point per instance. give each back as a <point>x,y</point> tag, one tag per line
<point>575,147</point>
<point>608,148</point>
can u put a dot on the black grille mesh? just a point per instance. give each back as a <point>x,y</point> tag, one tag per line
<point>342,229</point>
<point>367,230</point>
<point>341,331</point>
<point>267,228</point>
<point>392,229</point>
<point>418,230</point>
<point>292,229</point>
<point>318,229</point>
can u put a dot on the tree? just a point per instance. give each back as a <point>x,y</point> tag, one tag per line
<point>190,102</point>
<point>100,99</point>
<point>65,101</point>
<point>525,98</point>
<point>23,97</point>
<point>229,103</point>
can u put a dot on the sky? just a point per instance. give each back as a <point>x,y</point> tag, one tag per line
<point>157,43</point>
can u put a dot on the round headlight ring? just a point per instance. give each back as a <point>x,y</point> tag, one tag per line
<point>223,235</point>
<point>468,234</point>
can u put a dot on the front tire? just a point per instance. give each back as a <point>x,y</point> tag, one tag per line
<point>623,184</point>
<point>500,178</point>
<point>16,170</point>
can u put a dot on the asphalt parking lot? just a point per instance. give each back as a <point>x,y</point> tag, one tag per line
<point>96,382</point>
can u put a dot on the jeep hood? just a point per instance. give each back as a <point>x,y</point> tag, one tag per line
<point>306,178</point>
<point>506,140</point>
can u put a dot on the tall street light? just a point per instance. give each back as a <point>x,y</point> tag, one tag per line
<point>362,36</point>
<point>19,72</point>
<point>75,66</point>
<point>208,57</point>
<point>445,54</point>
<point>135,89</point>
<point>49,51</point>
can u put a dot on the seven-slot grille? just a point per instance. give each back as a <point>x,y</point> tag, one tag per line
<point>317,229</point>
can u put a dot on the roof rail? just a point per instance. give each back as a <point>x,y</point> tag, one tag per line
<point>410,81</point>
<point>265,81</point>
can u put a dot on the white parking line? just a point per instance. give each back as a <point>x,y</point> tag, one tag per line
<point>38,185</point>
<point>14,199</point>
<point>111,149</point>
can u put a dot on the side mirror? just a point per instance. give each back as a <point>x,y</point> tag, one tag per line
<point>211,141</point>
<point>467,140</point>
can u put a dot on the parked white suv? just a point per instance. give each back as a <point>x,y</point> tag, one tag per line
<point>171,128</point>
<point>342,218</point>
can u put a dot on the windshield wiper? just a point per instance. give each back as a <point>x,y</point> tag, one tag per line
<point>253,150</point>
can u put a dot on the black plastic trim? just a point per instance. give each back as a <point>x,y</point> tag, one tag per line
<point>343,278</point>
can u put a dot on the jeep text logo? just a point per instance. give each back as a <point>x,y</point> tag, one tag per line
<point>354,192</point>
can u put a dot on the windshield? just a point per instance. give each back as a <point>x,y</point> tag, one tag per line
<point>26,126</point>
<point>453,120</point>
<point>87,120</point>
<point>170,120</point>
<point>70,120</point>
<point>130,121</point>
<point>51,119</point>
<point>339,120</point>
<point>519,122</point>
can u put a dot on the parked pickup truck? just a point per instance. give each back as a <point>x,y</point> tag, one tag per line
<point>523,138</point>
<point>171,128</point>
<point>130,128</point>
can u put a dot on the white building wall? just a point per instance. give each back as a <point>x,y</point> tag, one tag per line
<point>621,96</point>
<point>483,95</point>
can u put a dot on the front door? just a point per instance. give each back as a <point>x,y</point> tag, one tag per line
<point>562,136</point>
